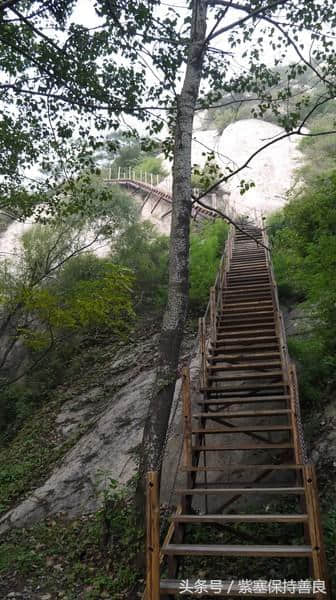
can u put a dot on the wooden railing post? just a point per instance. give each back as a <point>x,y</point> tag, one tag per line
<point>315,530</point>
<point>153,537</point>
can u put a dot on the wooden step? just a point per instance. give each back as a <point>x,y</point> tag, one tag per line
<point>244,295</point>
<point>263,518</point>
<point>241,446</point>
<point>246,317</point>
<point>245,365</point>
<point>227,376</point>
<point>253,339</point>
<point>250,304</point>
<point>247,257</point>
<point>247,387</point>
<point>235,358</point>
<point>222,348</point>
<point>240,414</point>
<point>237,550</point>
<point>243,400</point>
<point>242,327</point>
<point>238,265</point>
<point>250,317</point>
<point>257,267</point>
<point>248,335</point>
<point>243,278</point>
<point>295,491</point>
<point>237,273</point>
<point>245,429</point>
<point>249,287</point>
<point>242,292</point>
<point>242,466</point>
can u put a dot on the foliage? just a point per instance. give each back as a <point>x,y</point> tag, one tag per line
<point>145,252</point>
<point>31,455</point>
<point>70,556</point>
<point>202,179</point>
<point>131,158</point>
<point>304,249</point>
<point>206,248</point>
<point>319,152</point>
<point>64,89</point>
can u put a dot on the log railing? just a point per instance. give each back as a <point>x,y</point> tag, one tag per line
<point>208,323</point>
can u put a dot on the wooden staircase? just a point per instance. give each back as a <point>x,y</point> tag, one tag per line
<point>243,448</point>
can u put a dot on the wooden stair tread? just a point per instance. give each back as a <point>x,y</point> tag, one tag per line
<point>237,550</point>
<point>240,400</point>
<point>239,376</point>
<point>245,386</point>
<point>251,339</point>
<point>242,413</point>
<point>267,346</point>
<point>263,316</point>
<point>242,466</point>
<point>247,303</point>
<point>242,327</point>
<point>243,356</point>
<point>241,446</point>
<point>240,490</point>
<point>244,333</point>
<point>211,430</point>
<point>248,518</point>
<point>242,366</point>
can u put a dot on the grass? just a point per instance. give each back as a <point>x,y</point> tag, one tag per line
<point>30,457</point>
<point>74,560</point>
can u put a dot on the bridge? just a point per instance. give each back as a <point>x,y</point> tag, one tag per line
<point>157,200</point>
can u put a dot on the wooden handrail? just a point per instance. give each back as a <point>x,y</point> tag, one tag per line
<point>187,427</point>
<point>289,369</point>
<point>320,570</point>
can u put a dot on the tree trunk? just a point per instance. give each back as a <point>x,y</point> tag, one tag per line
<point>178,289</point>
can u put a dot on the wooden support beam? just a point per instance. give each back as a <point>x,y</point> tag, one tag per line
<point>153,537</point>
<point>155,205</point>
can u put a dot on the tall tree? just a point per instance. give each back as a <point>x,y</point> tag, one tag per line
<point>64,87</point>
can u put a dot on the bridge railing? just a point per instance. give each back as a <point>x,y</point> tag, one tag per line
<point>164,185</point>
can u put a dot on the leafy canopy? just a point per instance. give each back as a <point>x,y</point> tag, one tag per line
<point>66,87</point>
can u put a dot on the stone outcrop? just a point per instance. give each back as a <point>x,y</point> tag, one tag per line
<point>106,409</point>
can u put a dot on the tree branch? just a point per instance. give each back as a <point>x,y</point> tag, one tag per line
<point>234,223</point>
<point>297,50</point>
<point>7,4</point>
<point>297,131</point>
<point>251,15</point>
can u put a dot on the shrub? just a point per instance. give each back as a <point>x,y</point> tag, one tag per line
<point>145,252</point>
<point>206,248</point>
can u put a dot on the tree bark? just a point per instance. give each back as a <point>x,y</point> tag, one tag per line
<point>178,288</point>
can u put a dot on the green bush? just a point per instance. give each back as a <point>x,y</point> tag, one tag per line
<point>303,235</point>
<point>206,248</point>
<point>145,252</point>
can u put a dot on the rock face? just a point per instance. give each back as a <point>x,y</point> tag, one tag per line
<point>109,404</point>
<point>272,170</point>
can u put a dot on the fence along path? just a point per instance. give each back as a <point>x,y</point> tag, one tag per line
<point>243,446</point>
<point>149,184</point>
